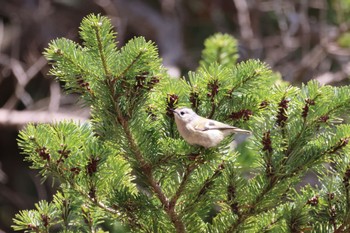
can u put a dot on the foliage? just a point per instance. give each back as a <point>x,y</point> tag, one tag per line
<point>129,164</point>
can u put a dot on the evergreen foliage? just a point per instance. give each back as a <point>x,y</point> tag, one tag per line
<point>129,164</point>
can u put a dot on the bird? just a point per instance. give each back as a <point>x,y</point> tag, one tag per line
<point>197,130</point>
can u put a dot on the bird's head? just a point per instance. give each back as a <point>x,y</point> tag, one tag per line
<point>185,115</point>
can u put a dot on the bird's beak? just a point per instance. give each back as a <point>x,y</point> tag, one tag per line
<point>174,111</point>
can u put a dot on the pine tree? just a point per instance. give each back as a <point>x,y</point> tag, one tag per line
<point>129,165</point>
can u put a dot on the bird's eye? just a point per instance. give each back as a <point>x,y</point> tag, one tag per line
<point>182,113</point>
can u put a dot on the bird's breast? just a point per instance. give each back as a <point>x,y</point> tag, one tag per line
<point>206,138</point>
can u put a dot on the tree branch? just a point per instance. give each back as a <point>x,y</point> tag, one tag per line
<point>19,119</point>
<point>100,49</point>
<point>190,168</point>
<point>147,170</point>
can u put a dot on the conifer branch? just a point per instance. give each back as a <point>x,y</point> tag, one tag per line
<point>241,83</point>
<point>131,64</point>
<point>273,180</point>
<point>189,169</point>
<point>60,53</point>
<point>80,80</point>
<point>274,222</point>
<point>206,186</point>
<point>100,204</point>
<point>306,125</point>
<point>214,90</point>
<point>267,149</point>
<point>103,206</point>
<point>213,107</point>
<point>208,183</point>
<point>218,53</point>
<point>94,200</point>
<point>252,207</point>
<point>344,227</point>
<point>147,171</point>
<point>346,184</point>
<point>328,151</point>
<point>87,196</point>
<point>58,171</point>
<point>290,132</point>
<point>100,48</point>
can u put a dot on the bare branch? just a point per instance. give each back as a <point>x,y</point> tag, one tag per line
<point>20,118</point>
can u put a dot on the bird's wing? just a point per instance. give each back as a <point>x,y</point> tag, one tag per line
<point>211,124</point>
<point>216,125</point>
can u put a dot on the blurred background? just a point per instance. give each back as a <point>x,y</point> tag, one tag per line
<point>303,40</point>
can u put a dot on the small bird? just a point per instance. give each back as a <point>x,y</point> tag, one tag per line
<point>197,130</point>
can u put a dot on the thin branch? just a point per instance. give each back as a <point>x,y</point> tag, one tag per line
<point>103,206</point>
<point>206,185</point>
<point>182,185</point>
<point>131,64</point>
<point>92,200</point>
<point>213,107</point>
<point>252,207</point>
<point>100,49</point>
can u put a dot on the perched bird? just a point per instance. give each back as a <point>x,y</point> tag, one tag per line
<point>197,130</point>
